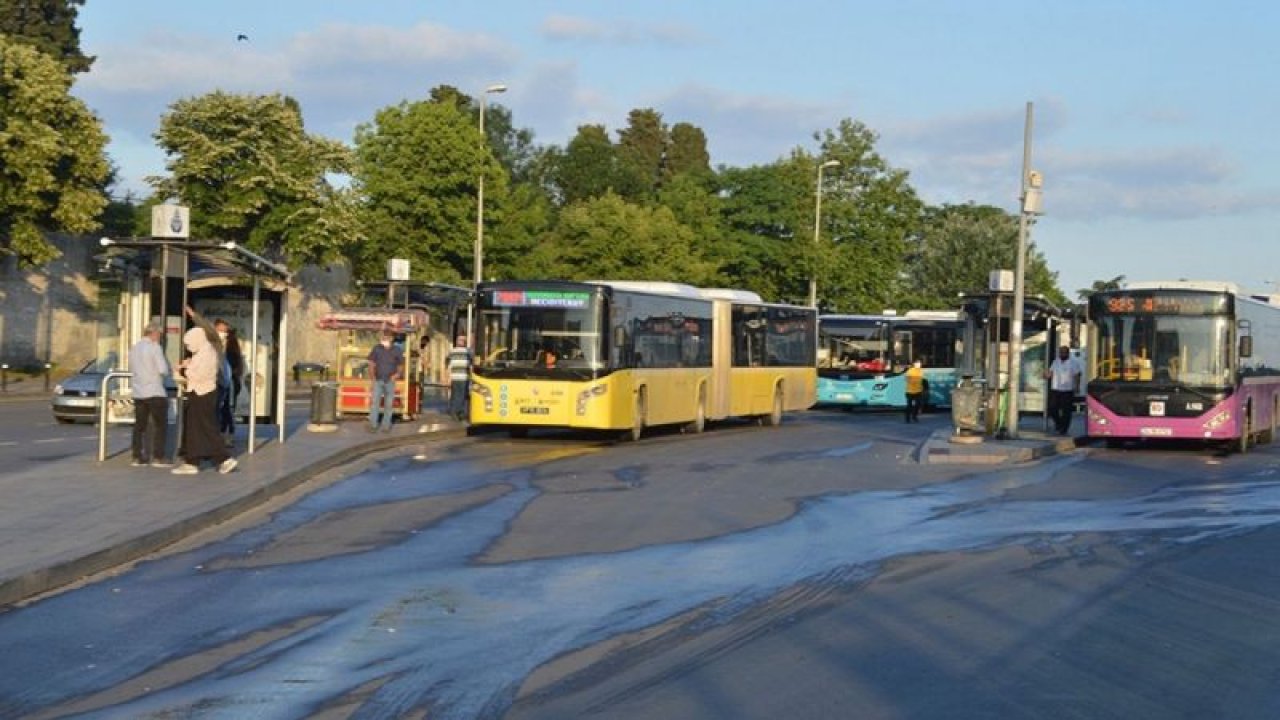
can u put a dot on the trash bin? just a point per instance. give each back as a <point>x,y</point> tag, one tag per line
<point>324,403</point>
<point>966,406</point>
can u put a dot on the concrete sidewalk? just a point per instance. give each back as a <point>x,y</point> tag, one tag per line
<point>1033,442</point>
<point>74,517</point>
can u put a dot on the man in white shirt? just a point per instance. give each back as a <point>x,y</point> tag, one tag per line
<point>1064,384</point>
<point>150,399</point>
<point>459,377</point>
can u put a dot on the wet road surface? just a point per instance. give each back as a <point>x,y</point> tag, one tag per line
<point>562,577</point>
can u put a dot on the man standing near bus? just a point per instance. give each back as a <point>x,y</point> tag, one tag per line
<point>459,377</point>
<point>1064,382</point>
<point>914,377</point>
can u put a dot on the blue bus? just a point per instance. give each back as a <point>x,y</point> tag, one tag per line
<point>861,358</point>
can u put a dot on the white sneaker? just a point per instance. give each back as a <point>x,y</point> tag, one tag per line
<point>227,466</point>
<point>161,464</point>
<point>185,469</point>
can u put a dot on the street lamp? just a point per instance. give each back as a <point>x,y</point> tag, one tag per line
<point>478,255</point>
<point>817,223</point>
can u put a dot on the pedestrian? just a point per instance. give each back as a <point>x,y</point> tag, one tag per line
<point>150,368</point>
<point>386,363</point>
<point>231,370</point>
<point>1064,383</point>
<point>915,391</point>
<point>200,437</point>
<point>459,377</point>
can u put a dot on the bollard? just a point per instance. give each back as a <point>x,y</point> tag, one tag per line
<point>324,374</point>
<point>297,374</point>
<point>47,368</point>
<point>4,377</point>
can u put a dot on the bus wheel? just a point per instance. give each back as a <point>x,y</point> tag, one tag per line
<point>699,422</point>
<point>637,421</point>
<point>518,432</point>
<point>774,418</point>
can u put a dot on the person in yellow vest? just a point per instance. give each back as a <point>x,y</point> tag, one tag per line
<point>915,391</point>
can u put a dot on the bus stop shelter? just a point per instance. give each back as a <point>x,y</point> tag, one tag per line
<point>161,278</point>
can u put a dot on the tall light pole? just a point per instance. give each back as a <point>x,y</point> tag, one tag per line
<point>1030,202</point>
<point>477,261</point>
<point>817,225</point>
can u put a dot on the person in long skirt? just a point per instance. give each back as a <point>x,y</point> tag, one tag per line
<point>200,437</point>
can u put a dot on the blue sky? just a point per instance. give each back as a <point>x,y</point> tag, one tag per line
<point>1154,121</point>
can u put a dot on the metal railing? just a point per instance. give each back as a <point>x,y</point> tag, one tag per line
<point>103,402</point>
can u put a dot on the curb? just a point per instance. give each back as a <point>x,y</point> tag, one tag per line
<point>940,451</point>
<point>36,582</point>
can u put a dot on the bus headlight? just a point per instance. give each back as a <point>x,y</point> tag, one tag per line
<point>1218,420</point>
<point>585,395</point>
<point>484,392</point>
<point>1097,418</point>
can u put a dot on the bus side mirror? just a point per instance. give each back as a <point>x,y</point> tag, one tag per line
<point>1246,346</point>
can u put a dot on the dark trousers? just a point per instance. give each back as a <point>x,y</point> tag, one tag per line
<point>226,420</point>
<point>150,428</point>
<point>458,398</point>
<point>200,437</point>
<point>915,401</point>
<point>1061,407</point>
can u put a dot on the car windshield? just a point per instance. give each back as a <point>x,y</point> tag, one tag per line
<point>104,364</point>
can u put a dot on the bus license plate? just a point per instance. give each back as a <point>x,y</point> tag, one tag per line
<point>535,411</point>
<point>1157,408</point>
<point>1156,431</point>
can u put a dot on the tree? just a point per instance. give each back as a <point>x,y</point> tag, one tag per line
<point>869,211</point>
<point>642,151</point>
<point>417,173</point>
<point>588,166</point>
<point>609,238</point>
<point>763,211</point>
<point>958,247</point>
<point>53,163</point>
<point>1114,283</point>
<point>251,174</point>
<point>49,26</point>
<point>687,152</point>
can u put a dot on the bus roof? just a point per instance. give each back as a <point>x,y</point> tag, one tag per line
<point>652,287</point>
<point>1206,285</point>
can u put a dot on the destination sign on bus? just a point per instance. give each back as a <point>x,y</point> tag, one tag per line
<point>1162,303</point>
<point>541,298</point>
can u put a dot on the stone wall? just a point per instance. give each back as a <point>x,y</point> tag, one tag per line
<point>57,314</point>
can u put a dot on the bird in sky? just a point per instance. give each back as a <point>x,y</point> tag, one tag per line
<point>242,38</point>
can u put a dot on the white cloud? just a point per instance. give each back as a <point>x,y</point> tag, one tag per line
<point>567,28</point>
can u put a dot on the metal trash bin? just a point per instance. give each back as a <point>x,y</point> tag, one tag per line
<point>966,406</point>
<point>324,403</point>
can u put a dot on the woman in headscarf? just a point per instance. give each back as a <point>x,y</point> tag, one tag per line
<point>200,437</point>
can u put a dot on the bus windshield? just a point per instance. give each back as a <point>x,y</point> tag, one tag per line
<point>1184,349</point>
<point>540,339</point>
<point>859,344</point>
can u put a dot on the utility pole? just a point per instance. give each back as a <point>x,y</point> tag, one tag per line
<point>1028,202</point>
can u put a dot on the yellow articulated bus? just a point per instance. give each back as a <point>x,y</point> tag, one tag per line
<point>629,355</point>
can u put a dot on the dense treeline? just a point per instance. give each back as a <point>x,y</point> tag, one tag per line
<point>642,201</point>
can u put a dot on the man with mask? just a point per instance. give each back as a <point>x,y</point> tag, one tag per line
<point>1064,382</point>
<point>385,364</point>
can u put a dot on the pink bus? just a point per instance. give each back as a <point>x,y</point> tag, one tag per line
<point>1183,360</point>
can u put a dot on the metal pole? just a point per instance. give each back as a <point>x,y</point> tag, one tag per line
<point>1019,286</point>
<point>817,225</point>
<point>253,370</point>
<point>281,360</point>
<point>478,257</point>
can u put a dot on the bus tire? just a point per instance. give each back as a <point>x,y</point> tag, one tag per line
<point>699,422</point>
<point>637,420</point>
<point>518,432</point>
<point>774,418</point>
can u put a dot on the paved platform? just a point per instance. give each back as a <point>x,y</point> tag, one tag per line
<point>74,517</point>
<point>944,447</point>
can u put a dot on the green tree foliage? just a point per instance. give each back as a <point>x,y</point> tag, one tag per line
<point>687,152</point>
<point>418,166</point>
<point>869,210</point>
<point>1114,283</point>
<point>52,159</point>
<point>642,151</point>
<point>763,212</point>
<point>251,174</point>
<point>609,238</point>
<point>49,26</point>
<point>959,246</point>
<point>588,166</point>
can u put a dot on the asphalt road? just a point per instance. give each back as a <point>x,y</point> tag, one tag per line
<point>29,435</point>
<point>809,571</point>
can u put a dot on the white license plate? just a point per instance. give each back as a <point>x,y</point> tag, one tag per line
<point>844,396</point>
<point>1157,408</point>
<point>1155,432</point>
